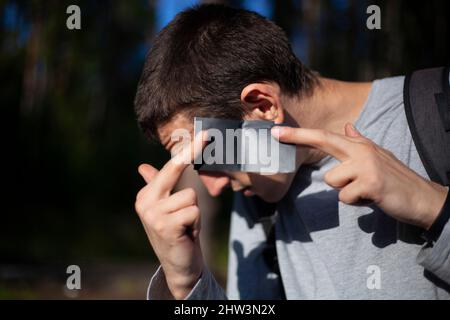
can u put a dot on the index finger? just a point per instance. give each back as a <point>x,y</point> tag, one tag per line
<point>329,142</point>
<point>168,176</point>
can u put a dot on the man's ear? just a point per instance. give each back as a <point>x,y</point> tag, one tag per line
<point>263,102</point>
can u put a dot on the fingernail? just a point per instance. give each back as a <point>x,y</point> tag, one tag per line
<point>276,132</point>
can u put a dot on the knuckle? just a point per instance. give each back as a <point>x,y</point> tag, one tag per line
<point>148,219</point>
<point>138,207</point>
<point>371,162</point>
<point>328,177</point>
<point>140,194</point>
<point>373,181</point>
<point>343,197</point>
<point>151,218</point>
<point>141,197</point>
<point>195,211</point>
<point>191,195</point>
<point>323,134</point>
<point>157,226</point>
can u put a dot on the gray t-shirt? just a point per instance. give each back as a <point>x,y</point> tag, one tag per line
<point>327,249</point>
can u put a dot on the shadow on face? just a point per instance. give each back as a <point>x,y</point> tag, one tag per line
<point>270,188</point>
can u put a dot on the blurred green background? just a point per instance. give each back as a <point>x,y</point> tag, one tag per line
<point>73,145</point>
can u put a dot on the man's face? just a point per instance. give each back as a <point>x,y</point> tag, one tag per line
<point>270,188</point>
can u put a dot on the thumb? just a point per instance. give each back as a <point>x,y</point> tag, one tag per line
<point>147,172</point>
<point>350,131</point>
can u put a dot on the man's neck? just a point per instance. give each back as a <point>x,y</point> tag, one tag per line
<point>332,104</point>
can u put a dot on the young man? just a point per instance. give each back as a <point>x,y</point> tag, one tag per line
<point>349,220</point>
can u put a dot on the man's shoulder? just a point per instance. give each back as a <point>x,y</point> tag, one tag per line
<point>389,88</point>
<point>394,80</point>
<point>384,102</point>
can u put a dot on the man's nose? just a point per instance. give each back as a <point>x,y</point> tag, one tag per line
<point>214,182</point>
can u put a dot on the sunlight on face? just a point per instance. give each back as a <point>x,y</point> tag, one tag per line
<point>270,188</point>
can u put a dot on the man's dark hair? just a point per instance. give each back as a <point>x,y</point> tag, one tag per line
<point>201,61</point>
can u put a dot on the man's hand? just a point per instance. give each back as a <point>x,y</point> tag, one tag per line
<point>172,221</point>
<point>368,172</point>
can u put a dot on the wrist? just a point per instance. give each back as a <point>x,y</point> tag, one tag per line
<point>181,285</point>
<point>433,233</point>
<point>436,199</point>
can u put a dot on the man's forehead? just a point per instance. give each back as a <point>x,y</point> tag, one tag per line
<point>176,123</point>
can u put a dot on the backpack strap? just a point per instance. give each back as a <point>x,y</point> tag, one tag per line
<point>427,107</point>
